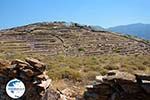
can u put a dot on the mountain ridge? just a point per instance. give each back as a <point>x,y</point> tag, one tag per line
<point>138,29</point>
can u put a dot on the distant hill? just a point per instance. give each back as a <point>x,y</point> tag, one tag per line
<point>140,30</point>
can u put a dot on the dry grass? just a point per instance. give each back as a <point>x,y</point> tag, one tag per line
<point>87,67</point>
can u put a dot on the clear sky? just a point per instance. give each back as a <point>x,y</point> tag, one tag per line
<point>105,13</point>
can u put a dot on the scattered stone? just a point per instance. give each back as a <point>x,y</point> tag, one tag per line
<point>51,95</point>
<point>118,85</point>
<point>68,92</point>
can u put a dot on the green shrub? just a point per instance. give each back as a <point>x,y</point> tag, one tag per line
<point>81,49</point>
<point>103,71</point>
<point>86,67</point>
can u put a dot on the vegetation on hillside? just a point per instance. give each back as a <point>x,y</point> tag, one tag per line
<point>89,52</point>
<point>84,68</point>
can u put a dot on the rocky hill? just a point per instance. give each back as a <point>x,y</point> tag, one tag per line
<point>72,56</point>
<point>69,39</point>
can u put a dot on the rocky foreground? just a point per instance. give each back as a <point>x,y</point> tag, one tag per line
<point>32,73</point>
<point>115,85</point>
<point>119,86</point>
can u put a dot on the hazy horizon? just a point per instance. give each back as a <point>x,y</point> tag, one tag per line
<point>104,13</point>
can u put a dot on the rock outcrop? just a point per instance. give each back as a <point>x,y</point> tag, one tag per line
<point>118,85</point>
<point>32,73</point>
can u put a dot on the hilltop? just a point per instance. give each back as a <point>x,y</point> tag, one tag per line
<point>55,38</point>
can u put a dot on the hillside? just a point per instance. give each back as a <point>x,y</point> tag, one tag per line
<point>67,39</point>
<point>140,30</point>
<point>74,54</point>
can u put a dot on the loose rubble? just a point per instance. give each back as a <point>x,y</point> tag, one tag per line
<point>32,73</point>
<point>70,94</point>
<point>118,85</point>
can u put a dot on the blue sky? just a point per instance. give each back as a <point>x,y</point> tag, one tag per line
<point>105,13</point>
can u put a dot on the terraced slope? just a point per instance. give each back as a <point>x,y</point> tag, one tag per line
<point>59,38</point>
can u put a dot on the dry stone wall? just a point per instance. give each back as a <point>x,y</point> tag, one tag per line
<point>119,86</point>
<point>32,73</point>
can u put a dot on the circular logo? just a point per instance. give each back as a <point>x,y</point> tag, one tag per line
<point>15,88</point>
